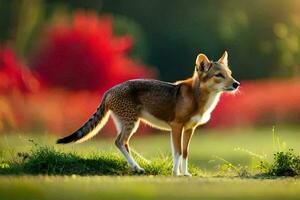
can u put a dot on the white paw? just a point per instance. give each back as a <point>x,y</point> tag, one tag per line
<point>176,173</point>
<point>138,170</point>
<point>187,174</point>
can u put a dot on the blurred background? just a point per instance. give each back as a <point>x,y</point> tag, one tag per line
<point>57,57</point>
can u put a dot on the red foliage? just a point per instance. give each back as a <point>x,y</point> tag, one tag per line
<point>15,82</point>
<point>259,103</point>
<point>58,112</point>
<point>86,55</point>
<point>13,75</point>
<point>61,112</point>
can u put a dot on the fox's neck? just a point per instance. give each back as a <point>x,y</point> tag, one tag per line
<point>196,86</point>
<point>206,100</point>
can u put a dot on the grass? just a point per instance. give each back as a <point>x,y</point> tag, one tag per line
<point>49,161</point>
<point>32,167</point>
<point>285,163</point>
<point>145,187</point>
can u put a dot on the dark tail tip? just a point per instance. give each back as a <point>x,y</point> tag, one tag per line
<point>68,139</point>
<point>61,141</point>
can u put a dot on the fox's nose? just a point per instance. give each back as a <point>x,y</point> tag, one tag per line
<point>235,84</point>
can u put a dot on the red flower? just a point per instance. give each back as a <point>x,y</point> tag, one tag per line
<point>259,103</point>
<point>13,75</point>
<point>86,55</point>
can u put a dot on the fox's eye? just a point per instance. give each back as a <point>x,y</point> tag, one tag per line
<point>219,75</point>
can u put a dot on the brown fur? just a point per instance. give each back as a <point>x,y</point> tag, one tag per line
<point>187,135</point>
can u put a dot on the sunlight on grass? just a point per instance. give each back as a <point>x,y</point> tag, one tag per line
<point>49,161</point>
<point>43,158</point>
<point>33,167</point>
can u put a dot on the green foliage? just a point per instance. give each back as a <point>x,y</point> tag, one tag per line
<point>278,145</point>
<point>125,26</point>
<point>285,163</point>
<point>227,168</point>
<point>262,37</point>
<point>47,160</point>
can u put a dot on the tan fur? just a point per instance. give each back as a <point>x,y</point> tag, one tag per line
<point>176,132</point>
<point>179,107</point>
<point>187,135</point>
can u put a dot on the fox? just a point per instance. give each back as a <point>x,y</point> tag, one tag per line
<point>178,107</point>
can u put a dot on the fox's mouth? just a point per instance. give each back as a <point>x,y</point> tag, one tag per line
<point>230,89</point>
<point>233,87</point>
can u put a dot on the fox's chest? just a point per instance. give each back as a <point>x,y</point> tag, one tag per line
<point>197,120</point>
<point>200,119</point>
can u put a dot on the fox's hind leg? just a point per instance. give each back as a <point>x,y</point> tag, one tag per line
<point>125,130</point>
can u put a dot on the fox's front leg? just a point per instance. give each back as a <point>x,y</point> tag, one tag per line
<point>176,135</point>
<point>187,135</point>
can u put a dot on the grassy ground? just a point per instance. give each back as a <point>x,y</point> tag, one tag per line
<point>208,149</point>
<point>103,187</point>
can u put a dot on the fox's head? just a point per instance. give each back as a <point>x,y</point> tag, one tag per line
<point>215,76</point>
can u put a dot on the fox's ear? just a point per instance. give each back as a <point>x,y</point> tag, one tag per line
<point>202,63</point>
<point>224,58</point>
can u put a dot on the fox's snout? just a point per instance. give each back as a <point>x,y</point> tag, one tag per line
<point>235,84</point>
<point>232,86</point>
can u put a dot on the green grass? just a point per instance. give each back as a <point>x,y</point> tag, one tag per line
<point>39,169</point>
<point>145,187</point>
<point>205,145</point>
<point>49,161</point>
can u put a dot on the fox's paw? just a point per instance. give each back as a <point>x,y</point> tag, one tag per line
<point>187,174</point>
<point>138,170</point>
<point>176,173</point>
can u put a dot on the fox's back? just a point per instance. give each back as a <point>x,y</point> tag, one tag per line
<point>153,96</point>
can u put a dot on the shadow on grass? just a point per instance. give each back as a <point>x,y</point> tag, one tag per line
<point>47,160</point>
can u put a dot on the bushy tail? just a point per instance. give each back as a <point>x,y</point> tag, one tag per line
<point>90,128</point>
